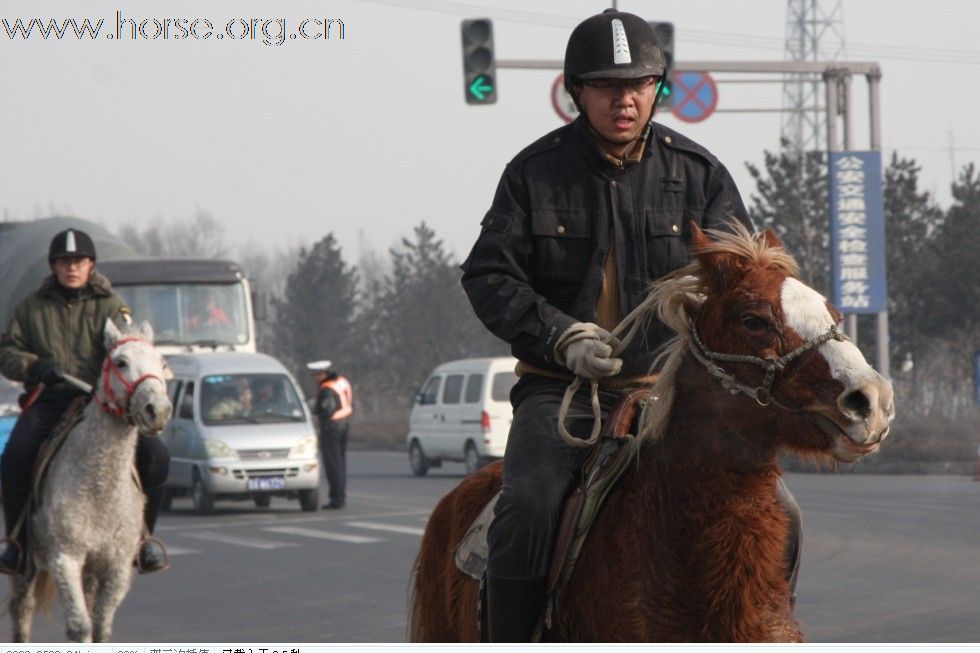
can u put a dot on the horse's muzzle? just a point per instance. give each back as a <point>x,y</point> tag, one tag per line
<point>866,409</point>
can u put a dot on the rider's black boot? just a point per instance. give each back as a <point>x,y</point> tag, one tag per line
<point>12,558</point>
<point>154,497</point>
<point>514,607</point>
<point>152,557</point>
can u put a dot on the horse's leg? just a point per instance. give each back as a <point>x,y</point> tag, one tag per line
<point>67,574</point>
<point>111,592</point>
<point>22,604</point>
<point>90,584</point>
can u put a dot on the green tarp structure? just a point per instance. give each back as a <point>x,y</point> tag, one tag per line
<point>24,255</point>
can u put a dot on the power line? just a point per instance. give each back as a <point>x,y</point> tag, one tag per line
<point>870,51</point>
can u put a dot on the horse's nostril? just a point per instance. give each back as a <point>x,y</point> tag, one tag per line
<point>151,411</point>
<point>856,402</point>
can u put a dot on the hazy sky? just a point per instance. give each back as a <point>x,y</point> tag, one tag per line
<point>370,134</point>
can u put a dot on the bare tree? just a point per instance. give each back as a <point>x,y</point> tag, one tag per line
<point>199,237</point>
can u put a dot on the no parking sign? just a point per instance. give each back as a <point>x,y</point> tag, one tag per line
<point>695,96</point>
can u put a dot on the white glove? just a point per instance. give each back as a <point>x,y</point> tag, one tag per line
<point>586,349</point>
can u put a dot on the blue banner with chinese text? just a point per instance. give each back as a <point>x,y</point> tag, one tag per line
<point>857,232</point>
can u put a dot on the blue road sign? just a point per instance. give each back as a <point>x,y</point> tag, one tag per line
<point>695,96</point>
<point>857,232</point>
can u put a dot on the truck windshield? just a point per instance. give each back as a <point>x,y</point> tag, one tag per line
<point>191,314</point>
<point>249,398</point>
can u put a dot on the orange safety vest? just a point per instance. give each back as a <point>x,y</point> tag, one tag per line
<point>343,388</point>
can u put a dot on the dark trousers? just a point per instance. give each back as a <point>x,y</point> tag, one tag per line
<point>34,426</point>
<point>333,450</point>
<point>539,471</point>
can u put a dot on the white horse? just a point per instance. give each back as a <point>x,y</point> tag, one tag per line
<point>87,526</point>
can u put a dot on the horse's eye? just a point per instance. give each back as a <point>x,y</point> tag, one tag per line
<point>121,363</point>
<point>754,323</point>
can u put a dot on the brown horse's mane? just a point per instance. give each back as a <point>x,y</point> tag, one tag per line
<point>676,300</point>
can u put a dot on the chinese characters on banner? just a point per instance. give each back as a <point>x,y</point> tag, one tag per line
<point>857,232</point>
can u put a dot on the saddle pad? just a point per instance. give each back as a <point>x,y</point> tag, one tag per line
<point>471,554</point>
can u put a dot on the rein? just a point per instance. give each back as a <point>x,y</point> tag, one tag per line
<point>762,393</point>
<point>630,322</point>
<point>111,403</point>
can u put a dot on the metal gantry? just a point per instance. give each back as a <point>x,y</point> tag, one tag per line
<point>814,32</point>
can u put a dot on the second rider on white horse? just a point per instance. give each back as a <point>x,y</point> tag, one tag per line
<point>59,330</point>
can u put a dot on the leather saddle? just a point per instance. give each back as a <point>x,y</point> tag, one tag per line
<point>605,464</point>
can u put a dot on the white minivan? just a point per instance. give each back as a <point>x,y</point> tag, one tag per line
<point>240,430</point>
<point>463,413</point>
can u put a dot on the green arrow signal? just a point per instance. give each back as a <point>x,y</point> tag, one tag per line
<point>479,88</point>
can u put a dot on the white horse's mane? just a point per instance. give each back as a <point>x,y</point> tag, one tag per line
<point>676,301</point>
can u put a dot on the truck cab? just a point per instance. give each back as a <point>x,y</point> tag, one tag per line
<point>193,304</point>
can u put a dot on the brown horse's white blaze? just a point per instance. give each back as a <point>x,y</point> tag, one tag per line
<point>866,403</point>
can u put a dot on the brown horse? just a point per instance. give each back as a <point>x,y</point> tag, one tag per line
<point>690,544</point>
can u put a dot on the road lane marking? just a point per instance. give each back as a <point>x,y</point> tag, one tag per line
<point>324,535</point>
<point>257,519</point>
<point>238,541</point>
<point>180,551</point>
<point>394,528</point>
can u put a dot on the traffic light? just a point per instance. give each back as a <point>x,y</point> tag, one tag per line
<point>479,67</point>
<point>665,35</point>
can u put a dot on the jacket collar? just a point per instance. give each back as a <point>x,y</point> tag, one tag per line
<point>601,162</point>
<point>98,286</point>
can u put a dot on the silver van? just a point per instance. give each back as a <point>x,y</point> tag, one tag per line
<point>463,413</point>
<point>240,430</point>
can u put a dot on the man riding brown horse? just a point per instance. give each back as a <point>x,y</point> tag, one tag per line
<point>582,221</point>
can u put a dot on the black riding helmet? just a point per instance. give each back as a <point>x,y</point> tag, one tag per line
<point>71,243</point>
<point>613,44</point>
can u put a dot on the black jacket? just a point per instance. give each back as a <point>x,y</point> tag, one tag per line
<point>537,266</point>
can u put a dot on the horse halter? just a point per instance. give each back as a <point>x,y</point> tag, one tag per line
<point>111,404</point>
<point>762,393</point>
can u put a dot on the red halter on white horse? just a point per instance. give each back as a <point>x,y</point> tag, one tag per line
<point>111,403</point>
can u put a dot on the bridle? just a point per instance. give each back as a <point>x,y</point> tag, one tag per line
<point>762,393</point>
<point>108,401</point>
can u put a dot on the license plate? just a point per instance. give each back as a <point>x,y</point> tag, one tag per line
<point>266,483</point>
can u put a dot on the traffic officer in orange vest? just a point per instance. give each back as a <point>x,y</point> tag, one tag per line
<point>334,408</point>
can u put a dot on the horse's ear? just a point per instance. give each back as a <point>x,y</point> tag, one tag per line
<point>111,333</point>
<point>770,238</point>
<point>699,239</point>
<point>720,268</point>
<point>146,331</point>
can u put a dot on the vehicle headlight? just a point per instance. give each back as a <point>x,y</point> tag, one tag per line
<point>305,448</point>
<point>218,449</point>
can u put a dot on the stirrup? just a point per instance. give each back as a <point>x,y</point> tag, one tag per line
<point>163,549</point>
